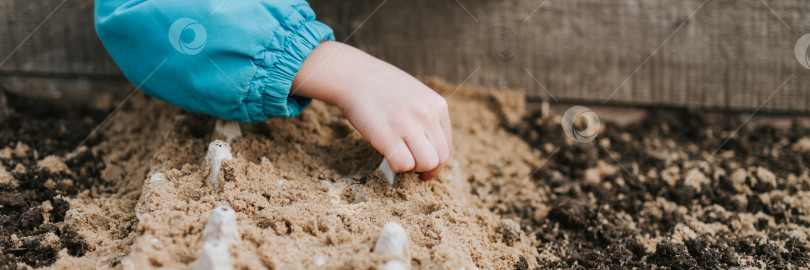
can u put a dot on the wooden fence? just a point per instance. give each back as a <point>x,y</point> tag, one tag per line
<point>714,54</point>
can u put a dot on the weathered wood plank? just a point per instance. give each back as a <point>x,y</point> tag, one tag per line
<point>724,55</point>
<point>61,58</point>
<point>64,44</point>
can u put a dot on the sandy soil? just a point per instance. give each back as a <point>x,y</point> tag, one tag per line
<point>305,191</point>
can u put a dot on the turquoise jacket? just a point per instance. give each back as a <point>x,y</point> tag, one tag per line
<point>230,59</point>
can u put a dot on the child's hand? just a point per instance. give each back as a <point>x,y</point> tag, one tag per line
<point>402,118</point>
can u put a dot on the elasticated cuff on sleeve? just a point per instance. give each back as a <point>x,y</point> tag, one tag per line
<point>277,71</point>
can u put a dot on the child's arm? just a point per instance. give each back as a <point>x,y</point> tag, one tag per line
<point>401,117</point>
<point>237,60</point>
<point>231,59</point>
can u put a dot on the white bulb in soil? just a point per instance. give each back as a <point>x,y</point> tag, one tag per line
<point>386,170</point>
<point>320,261</point>
<point>218,151</point>
<point>221,226</point>
<point>392,242</point>
<point>214,256</point>
<point>219,234</point>
<point>394,265</point>
<point>228,129</point>
<point>145,191</point>
<point>157,177</point>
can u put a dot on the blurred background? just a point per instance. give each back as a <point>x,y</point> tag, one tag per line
<point>720,55</point>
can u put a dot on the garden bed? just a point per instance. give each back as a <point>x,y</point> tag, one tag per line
<point>516,193</point>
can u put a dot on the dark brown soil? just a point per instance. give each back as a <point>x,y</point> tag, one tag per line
<point>48,129</point>
<point>585,224</point>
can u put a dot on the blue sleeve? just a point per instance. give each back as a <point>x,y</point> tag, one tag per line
<point>230,59</point>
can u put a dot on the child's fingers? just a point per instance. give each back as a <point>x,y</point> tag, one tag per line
<point>423,152</point>
<point>399,157</point>
<point>436,137</point>
<point>392,147</point>
<point>430,175</point>
<point>439,141</point>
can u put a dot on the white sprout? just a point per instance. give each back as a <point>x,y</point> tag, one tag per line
<point>394,265</point>
<point>222,226</point>
<point>228,129</point>
<point>157,177</point>
<point>219,234</point>
<point>147,186</point>
<point>214,256</point>
<point>320,261</point>
<point>386,170</point>
<point>218,151</point>
<point>392,245</point>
